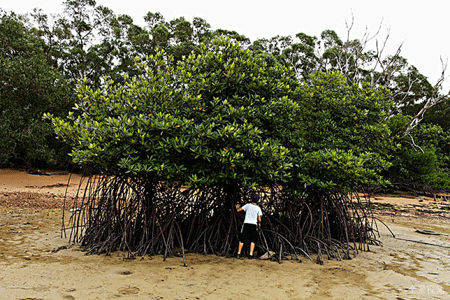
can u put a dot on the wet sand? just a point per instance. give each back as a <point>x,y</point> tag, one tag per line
<point>36,263</point>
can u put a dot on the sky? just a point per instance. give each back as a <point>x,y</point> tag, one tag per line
<point>421,27</point>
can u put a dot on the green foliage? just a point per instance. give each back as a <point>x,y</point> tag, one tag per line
<point>228,116</point>
<point>29,87</point>
<point>421,157</point>
<point>179,37</point>
<point>296,54</point>
<point>328,53</point>
<point>435,139</point>
<point>346,142</point>
<point>86,41</point>
<point>339,170</point>
<point>438,115</point>
<point>329,103</point>
<point>412,166</point>
<point>339,115</point>
<point>211,120</point>
<point>90,41</point>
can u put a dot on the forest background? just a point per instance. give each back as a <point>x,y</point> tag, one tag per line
<point>44,60</point>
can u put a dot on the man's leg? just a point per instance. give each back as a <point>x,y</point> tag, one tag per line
<point>252,247</point>
<point>253,239</point>
<point>240,248</point>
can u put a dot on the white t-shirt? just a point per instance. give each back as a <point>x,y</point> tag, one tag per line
<point>251,213</point>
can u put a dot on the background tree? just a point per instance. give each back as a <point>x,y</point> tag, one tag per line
<point>29,86</point>
<point>179,37</point>
<point>81,41</point>
<point>420,161</point>
<point>299,54</point>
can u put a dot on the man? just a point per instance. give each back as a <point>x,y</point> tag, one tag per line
<point>252,219</point>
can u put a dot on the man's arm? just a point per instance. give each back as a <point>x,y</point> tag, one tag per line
<point>259,221</point>
<point>238,207</point>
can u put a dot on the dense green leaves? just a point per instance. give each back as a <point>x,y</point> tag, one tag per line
<point>422,157</point>
<point>346,142</point>
<point>229,116</point>
<point>344,116</point>
<point>211,120</point>
<point>28,88</point>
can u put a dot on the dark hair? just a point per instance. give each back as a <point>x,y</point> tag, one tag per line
<point>255,198</point>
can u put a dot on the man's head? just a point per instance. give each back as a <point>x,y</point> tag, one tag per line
<point>255,198</point>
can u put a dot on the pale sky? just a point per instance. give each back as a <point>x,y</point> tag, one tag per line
<point>422,26</point>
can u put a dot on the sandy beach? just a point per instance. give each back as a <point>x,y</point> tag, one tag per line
<point>36,261</point>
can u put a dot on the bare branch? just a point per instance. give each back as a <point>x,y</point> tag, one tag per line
<point>349,27</point>
<point>434,99</point>
<point>413,144</point>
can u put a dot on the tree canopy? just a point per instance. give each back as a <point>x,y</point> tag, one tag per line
<point>215,118</point>
<point>91,43</point>
<point>224,121</point>
<point>228,115</point>
<point>29,87</point>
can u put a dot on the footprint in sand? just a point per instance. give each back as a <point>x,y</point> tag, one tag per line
<point>130,290</point>
<point>124,272</point>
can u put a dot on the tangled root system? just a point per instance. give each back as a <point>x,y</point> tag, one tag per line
<point>140,217</point>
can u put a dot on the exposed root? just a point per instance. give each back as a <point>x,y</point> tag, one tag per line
<point>140,217</point>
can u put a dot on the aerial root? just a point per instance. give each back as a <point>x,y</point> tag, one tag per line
<point>140,217</point>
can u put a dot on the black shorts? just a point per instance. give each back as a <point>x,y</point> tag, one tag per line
<point>248,234</point>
